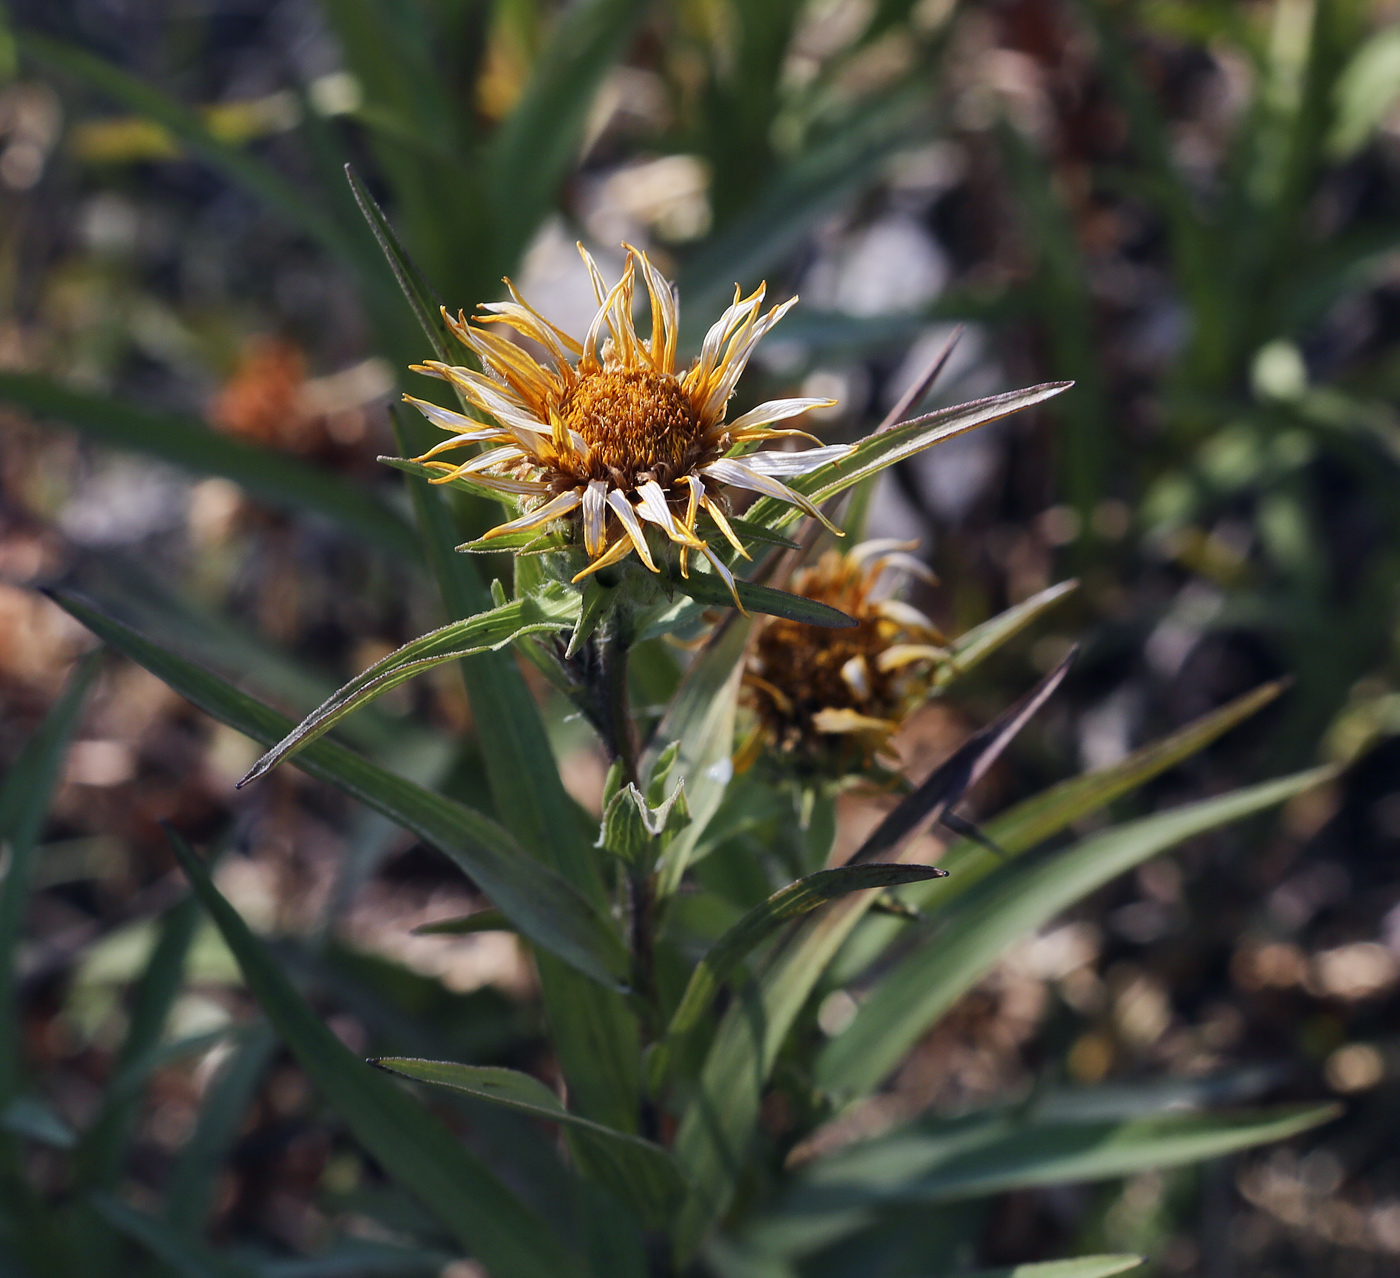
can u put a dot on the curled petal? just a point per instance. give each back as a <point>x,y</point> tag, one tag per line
<point>619,550</point>
<point>595,509</point>
<point>623,508</point>
<point>899,655</point>
<point>802,463</point>
<point>446,419</point>
<point>651,504</point>
<point>856,676</point>
<point>560,506</point>
<point>725,574</point>
<point>738,474</point>
<point>906,615</point>
<point>776,410</point>
<point>843,720</point>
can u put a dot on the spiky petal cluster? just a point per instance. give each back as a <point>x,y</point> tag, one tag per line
<point>821,696</point>
<point>607,433</point>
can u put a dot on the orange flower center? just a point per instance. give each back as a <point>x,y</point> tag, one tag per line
<point>636,422</point>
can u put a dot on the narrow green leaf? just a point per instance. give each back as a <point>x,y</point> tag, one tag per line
<point>31,1118</point>
<point>552,610</point>
<point>186,442</point>
<point>1079,1267</point>
<point>827,175</point>
<point>701,719</point>
<point>24,803</point>
<point>1040,817</point>
<point>222,1113</point>
<point>756,532</point>
<point>422,300</point>
<point>756,926</point>
<point>481,921</point>
<point>643,1172</point>
<point>547,909</point>
<point>103,1146</point>
<point>879,451</point>
<point>707,588</point>
<point>411,1145</point>
<point>1013,903</point>
<point>593,1030</point>
<point>1014,1152</point>
<point>537,144</point>
<point>981,641</point>
<point>719,1123</point>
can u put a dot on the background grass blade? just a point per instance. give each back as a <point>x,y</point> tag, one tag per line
<point>1079,1267</point>
<point>545,907</point>
<point>409,1143</point>
<point>538,142</point>
<point>283,481</point>
<point>24,803</point>
<point>234,164</point>
<point>1018,1153</point>
<point>221,1116</point>
<point>1011,904</point>
<point>184,1256</point>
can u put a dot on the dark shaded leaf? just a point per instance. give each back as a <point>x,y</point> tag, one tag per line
<point>411,1145</point>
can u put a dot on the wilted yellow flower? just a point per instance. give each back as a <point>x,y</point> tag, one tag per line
<point>825,695</point>
<point>612,435</point>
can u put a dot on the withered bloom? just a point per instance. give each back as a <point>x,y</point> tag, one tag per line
<point>829,700</point>
<point>608,433</point>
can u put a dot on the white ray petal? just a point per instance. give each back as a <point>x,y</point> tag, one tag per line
<point>595,505</point>
<point>726,575</point>
<point>651,504</point>
<point>736,360</point>
<point>856,676</point>
<point>618,501</point>
<point>796,463</point>
<point>904,614</point>
<point>446,419</point>
<point>561,505</point>
<point>777,410</point>
<point>903,654</point>
<point>736,473</point>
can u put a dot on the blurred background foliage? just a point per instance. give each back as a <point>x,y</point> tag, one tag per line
<point>1190,208</point>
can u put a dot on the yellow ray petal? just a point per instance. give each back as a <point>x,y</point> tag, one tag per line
<point>561,505</point>
<point>623,509</point>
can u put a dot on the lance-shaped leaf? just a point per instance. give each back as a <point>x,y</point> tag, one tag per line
<point>555,608</point>
<point>412,1146</point>
<point>700,720</point>
<point>967,765</point>
<point>546,908</point>
<point>721,1118</point>
<point>186,442</point>
<point>24,803</point>
<point>981,641</point>
<point>987,1154</point>
<point>422,300</point>
<point>1011,904</point>
<point>886,448</point>
<point>538,142</point>
<point>707,588</point>
<point>725,956</point>
<point>1044,815</point>
<point>1078,1267</point>
<point>644,1174</point>
<point>481,921</point>
<point>632,828</point>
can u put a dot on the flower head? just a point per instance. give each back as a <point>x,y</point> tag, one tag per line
<point>607,432</point>
<point>830,699</point>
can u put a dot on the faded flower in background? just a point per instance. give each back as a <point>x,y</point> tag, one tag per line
<point>829,702</point>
